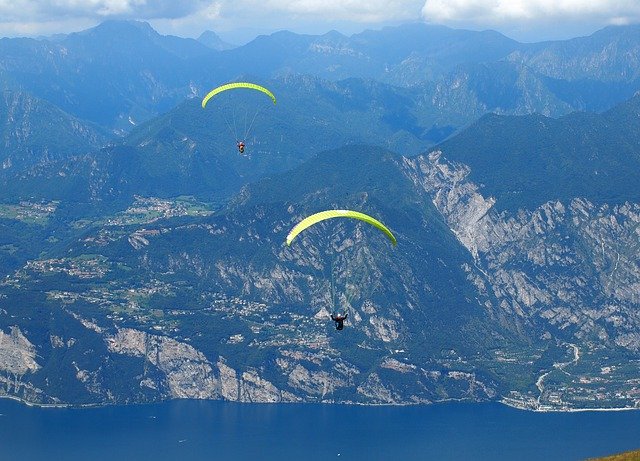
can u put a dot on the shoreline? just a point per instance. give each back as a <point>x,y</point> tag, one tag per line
<point>28,403</point>
<point>522,406</point>
<point>504,402</point>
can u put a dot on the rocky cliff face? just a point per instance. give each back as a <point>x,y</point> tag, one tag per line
<point>186,372</point>
<point>555,263</point>
<point>570,271</point>
<point>17,361</point>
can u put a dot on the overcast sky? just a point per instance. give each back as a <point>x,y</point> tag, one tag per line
<point>238,21</point>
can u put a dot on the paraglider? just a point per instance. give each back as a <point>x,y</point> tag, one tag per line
<point>339,319</point>
<point>330,214</point>
<point>231,86</point>
<point>232,109</point>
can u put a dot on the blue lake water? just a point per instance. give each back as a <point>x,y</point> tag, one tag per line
<point>207,430</point>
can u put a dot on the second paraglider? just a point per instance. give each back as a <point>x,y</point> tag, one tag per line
<point>337,316</point>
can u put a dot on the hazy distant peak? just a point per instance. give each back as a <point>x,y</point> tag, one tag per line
<point>285,34</point>
<point>629,108</point>
<point>334,35</point>
<point>613,30</point>
<point>427,30</point>
<point>120,26</point>
<point>212,40</point>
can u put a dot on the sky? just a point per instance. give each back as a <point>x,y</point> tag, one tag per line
<point>238,21</point>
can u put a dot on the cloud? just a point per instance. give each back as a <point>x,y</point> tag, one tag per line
<point>33,11</point>
<point>190,25</point>
<point>496,12</point>
<point>343,10</point>
<point>30,11</point>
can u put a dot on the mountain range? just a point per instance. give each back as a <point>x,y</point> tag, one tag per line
<point>143,259</point>
<point>122,73</point>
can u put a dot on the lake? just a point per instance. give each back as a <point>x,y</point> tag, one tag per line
<point>211,430</point>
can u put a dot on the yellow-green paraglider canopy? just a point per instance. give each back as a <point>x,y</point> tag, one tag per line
<point>328,214</point>
<point>230,86</point>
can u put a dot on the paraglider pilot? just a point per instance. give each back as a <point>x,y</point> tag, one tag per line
<point>241,147</point>
<point>339,319</point>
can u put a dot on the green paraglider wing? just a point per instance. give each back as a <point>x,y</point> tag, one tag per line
<point>316,218</point>
<point>230,86</point>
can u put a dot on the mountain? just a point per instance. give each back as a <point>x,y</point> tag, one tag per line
<point>35,132</point>
<point>115,74</point>
<point>608,55</point>
<point>470,91</point>
<point>213,41</point>
<point>589,73</point>
<point>526,161</point>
